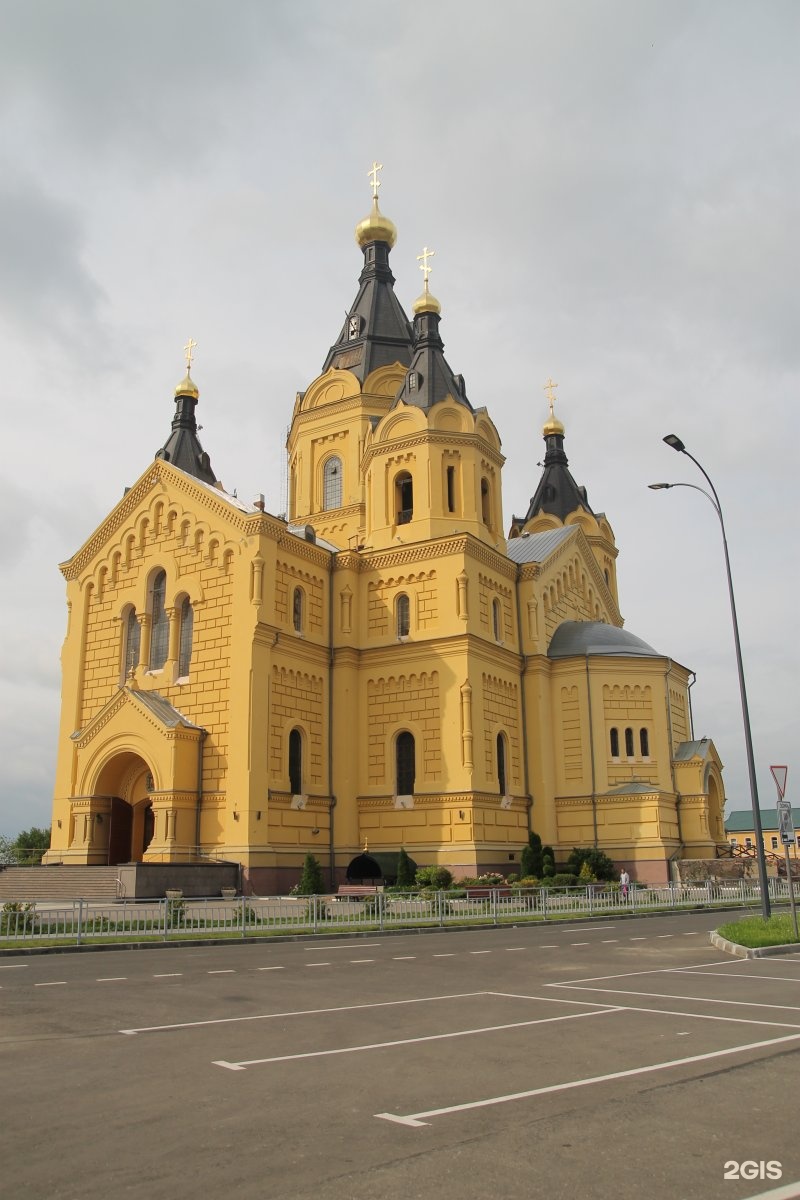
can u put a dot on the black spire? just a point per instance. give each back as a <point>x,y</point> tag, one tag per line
<point>557,493</point>
<point>429,378</point>
<point>376,331</point>
<point>182,448</point>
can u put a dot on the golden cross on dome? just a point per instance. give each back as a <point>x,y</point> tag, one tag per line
<point>422,259</point>
<point>188,350</point>
<point>373,174</point>
<point>549,388</point>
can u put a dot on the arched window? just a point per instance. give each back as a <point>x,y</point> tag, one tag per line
<point>629,742</point>
<point>133,638</point>
<point>501,763</point>
<point>296,762</point>
<point>159,627</point>
<point>615,743</point>
<point>451,489</point>
<point>403,615</point>
<point>332,483</point>
<point>297,610</point>
<point>404,497</point>
<point>187,631</point>
<point>644,743</point>
<point>486,505</point>
<point>406,763</point>
<point>496,623</point>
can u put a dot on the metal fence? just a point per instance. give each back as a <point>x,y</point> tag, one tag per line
<point>80,922</point>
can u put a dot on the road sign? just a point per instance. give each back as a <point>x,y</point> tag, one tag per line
<point>785,825</point>
<point>779,775</point>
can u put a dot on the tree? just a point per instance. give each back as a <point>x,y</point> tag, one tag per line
<point>531,863</point>
<point>27,847</point>
<point>601,866</point>
<point>405,870</point>
<point>548,862</point>
<point>311,881</point>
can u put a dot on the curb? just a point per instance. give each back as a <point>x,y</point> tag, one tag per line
<point>738,951</point>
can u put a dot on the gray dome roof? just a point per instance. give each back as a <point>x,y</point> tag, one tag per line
<point>579,638</point>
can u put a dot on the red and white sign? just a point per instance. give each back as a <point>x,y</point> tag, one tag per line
<point>779,775</point>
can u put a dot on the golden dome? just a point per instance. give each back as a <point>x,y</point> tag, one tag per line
<point>187,387</point>
<point>376,227</point>
<point>553,426</point>
<point>426,302</point>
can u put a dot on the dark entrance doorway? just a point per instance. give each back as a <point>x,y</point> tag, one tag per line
<point>119,833</point>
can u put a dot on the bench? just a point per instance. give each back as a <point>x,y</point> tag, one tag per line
<point>352,891</point>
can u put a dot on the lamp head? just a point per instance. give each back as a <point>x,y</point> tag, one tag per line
<point>657,487</point>
<point>675,442</point>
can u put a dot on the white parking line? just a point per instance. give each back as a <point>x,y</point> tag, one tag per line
<point>228,971</point>
<point>359,960</point>
<point>111,979</point>
<point>480,952</point>
<point>169,975</point>
<point>403,957</point>
<point>670,996</point>
<point>416,1120</point>
<point>345,946</point>
<point>52,983</point>
<point>318,964</point>
<point>580,943</point>
<point>14,966</point>
<point>787,1191</point>
<point>435,1037</point>
<point>444,956</point>
<point>608,941</point>
<point>270,968</point>
<point>306,1012</point>
<point>515,947</point>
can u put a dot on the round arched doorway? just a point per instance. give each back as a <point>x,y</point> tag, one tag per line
<point>128,783</point>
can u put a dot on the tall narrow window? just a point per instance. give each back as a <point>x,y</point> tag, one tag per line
<point>332,483</point>
<point>501,763</point>
<point>403,615</point>
<point>644,743</point>
<point>159,628</point>
<point>496,623</point>
<point>406,763</point>
<point>297,610</point>
<point>629,743</point>
<point>404,498</point>
<point>615,743</point>
<point>133,638</point>
<point>486,506</point>
<point>451,489</point>
<point>187,632</point>
<point>296,762</point>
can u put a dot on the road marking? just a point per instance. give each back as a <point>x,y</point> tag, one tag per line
<point>14,966</point>
<point>435,1037</point>
<point>579,943</point>
<point>415,1120</point>
<point>359,960</point>
<point>270,968</point>
<point>53,983</point>
<point>444,956</point>
<point>608,941</point>
<point>694,933</point>
<point>787,1191</point>
<point>577,928</point>
<point>318,964</point>
<point>631,974</point>
<point>403,957</point>
<point>169,975</point>
<point>549,946</point>
<point>111,979</point>
<point>480,952</point>
<point>671,996</point>
<point>663,935</point>
<point>779,978</point>
<point>345,946</point>
<point>637,939</point>
<point>227,971</point>
<point>516,947</point>
<point>307,1012</point>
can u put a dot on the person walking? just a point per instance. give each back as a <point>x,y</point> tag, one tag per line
<point>624,883</point>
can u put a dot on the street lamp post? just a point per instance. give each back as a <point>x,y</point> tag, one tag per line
<point>675,442</point>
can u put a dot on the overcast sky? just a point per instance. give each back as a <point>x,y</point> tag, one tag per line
<point>611,191</point>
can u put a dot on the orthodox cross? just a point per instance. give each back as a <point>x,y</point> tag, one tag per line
<point>549,388</point>
<point>373,175</point>
<point>188,350</point>
<point>422,259</point>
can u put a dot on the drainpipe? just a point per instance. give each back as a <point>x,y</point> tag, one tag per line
<point>332,802</point>
<point>591,749</point>
<point>200,744</point>
<point>523,711</point>
<point>672,752</point>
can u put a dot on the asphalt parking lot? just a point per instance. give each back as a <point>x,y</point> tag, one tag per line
<point>610,1059</point>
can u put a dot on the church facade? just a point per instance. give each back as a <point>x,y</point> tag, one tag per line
<point>385,666</point>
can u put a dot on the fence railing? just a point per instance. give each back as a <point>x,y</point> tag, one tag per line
<point>80,921</point>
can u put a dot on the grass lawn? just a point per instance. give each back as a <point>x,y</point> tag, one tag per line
<point>755,931</point>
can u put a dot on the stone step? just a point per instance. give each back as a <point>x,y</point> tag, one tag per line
<point>58,883</point>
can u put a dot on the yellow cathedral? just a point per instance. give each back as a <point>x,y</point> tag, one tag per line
<point>383,665</point>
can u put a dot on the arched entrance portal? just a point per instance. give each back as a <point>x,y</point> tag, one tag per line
<point>128,782</point>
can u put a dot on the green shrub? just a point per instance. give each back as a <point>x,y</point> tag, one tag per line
<point>512,879</point>
<point>528,881</point>
<point>586,874</point>
<point>548,862</point>
<point>562,879</point>
<point>311,881</point>
<point>18,917</point>
<point>601,866</point>
<point>532,854</point>
<point>438,878</point>
<point>405,870</point>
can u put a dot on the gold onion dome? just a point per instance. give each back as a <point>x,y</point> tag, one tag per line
<point>553,426</point>
<point>376,228</point>
<point>187,387</point>
<point>426,302</point>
